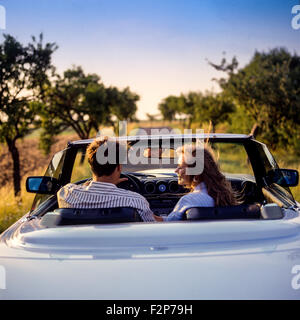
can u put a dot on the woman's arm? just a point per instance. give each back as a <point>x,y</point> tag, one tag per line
<point>179,210</point>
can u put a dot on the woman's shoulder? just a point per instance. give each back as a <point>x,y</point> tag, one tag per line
<point>198,198</point>
<point>193,195</point>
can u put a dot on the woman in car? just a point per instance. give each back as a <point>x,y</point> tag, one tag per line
<point>209,188</point>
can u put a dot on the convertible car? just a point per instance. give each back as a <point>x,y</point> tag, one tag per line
<point>248,251</point>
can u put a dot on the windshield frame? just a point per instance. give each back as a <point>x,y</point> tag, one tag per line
<point>55,170</point>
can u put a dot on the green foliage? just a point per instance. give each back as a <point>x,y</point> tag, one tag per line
<point>76,100</point>
<point>42,67</point>
<point>82,102</point>
<point>122,104</point>
<point>269,90</point>
<point>188,105</point>
<point>23,75</point>
<point>169,107</point>
<point>214,108</point>
<point>198,108</point>
<point>183,105</point>
<point>239,122</point>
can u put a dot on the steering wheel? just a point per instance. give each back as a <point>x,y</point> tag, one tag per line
<point>132,184</point>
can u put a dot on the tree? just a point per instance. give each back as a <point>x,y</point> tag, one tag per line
<point>268,88</point>
<point>75,100</point>
<point>81,102</point>
<point>198,107</point>
<point>23,76</point>
<point>188,105</point>
<point>169,107</point>
<point>122,104</point>
<point>214,108</point>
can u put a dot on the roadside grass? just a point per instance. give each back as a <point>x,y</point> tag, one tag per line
<point>11,208</point>
<point>290,162</point>
<point>296,192</point>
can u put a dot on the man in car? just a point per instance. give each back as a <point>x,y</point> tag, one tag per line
<point>102,191</point>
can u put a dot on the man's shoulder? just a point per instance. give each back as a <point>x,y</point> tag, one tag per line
<point>66,189</point>
<point>71,186</point>
<point>120,192</point>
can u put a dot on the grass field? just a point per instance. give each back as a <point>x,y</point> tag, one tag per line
<point>11,209</point>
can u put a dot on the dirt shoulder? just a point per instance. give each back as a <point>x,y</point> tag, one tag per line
<point>31,158</point>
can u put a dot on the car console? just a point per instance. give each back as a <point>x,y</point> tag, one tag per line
<point>163,205</point>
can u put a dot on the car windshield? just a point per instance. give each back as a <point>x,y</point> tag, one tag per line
<point>231,157</point>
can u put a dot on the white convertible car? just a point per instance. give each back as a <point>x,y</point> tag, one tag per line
<point>242,252</point>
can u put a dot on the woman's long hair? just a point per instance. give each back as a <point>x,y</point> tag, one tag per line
<point>217,185</point>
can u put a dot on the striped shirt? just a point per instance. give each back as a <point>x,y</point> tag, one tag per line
<point>102,195</point>
<point>198,198</point>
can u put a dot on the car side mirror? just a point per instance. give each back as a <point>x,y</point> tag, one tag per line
<point>42,185</point>
<point>284,177</point>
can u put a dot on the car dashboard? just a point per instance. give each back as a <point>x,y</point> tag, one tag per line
<point>162,191</point>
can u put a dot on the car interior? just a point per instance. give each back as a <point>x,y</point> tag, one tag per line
<point>158,183</point>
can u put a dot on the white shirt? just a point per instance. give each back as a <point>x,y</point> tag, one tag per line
<point>198,198</point>
<point>102,195</point>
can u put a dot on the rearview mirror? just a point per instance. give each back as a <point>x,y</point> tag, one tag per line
<point>42,185</point>
<point>284,177</point>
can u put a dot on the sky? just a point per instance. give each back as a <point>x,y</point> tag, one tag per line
<point>156,47</point>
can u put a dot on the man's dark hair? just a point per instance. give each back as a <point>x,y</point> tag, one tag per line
<point>106,168</point>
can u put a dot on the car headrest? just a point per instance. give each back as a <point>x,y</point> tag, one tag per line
<point>73,216</point>
<point>218,213</point>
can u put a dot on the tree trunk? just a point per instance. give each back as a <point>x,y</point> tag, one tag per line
<point>16,165</point>
<point>83,137</point>
<point>82,158</point>
<point>190,120</point>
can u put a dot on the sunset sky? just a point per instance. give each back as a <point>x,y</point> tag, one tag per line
<point>156,47</point>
